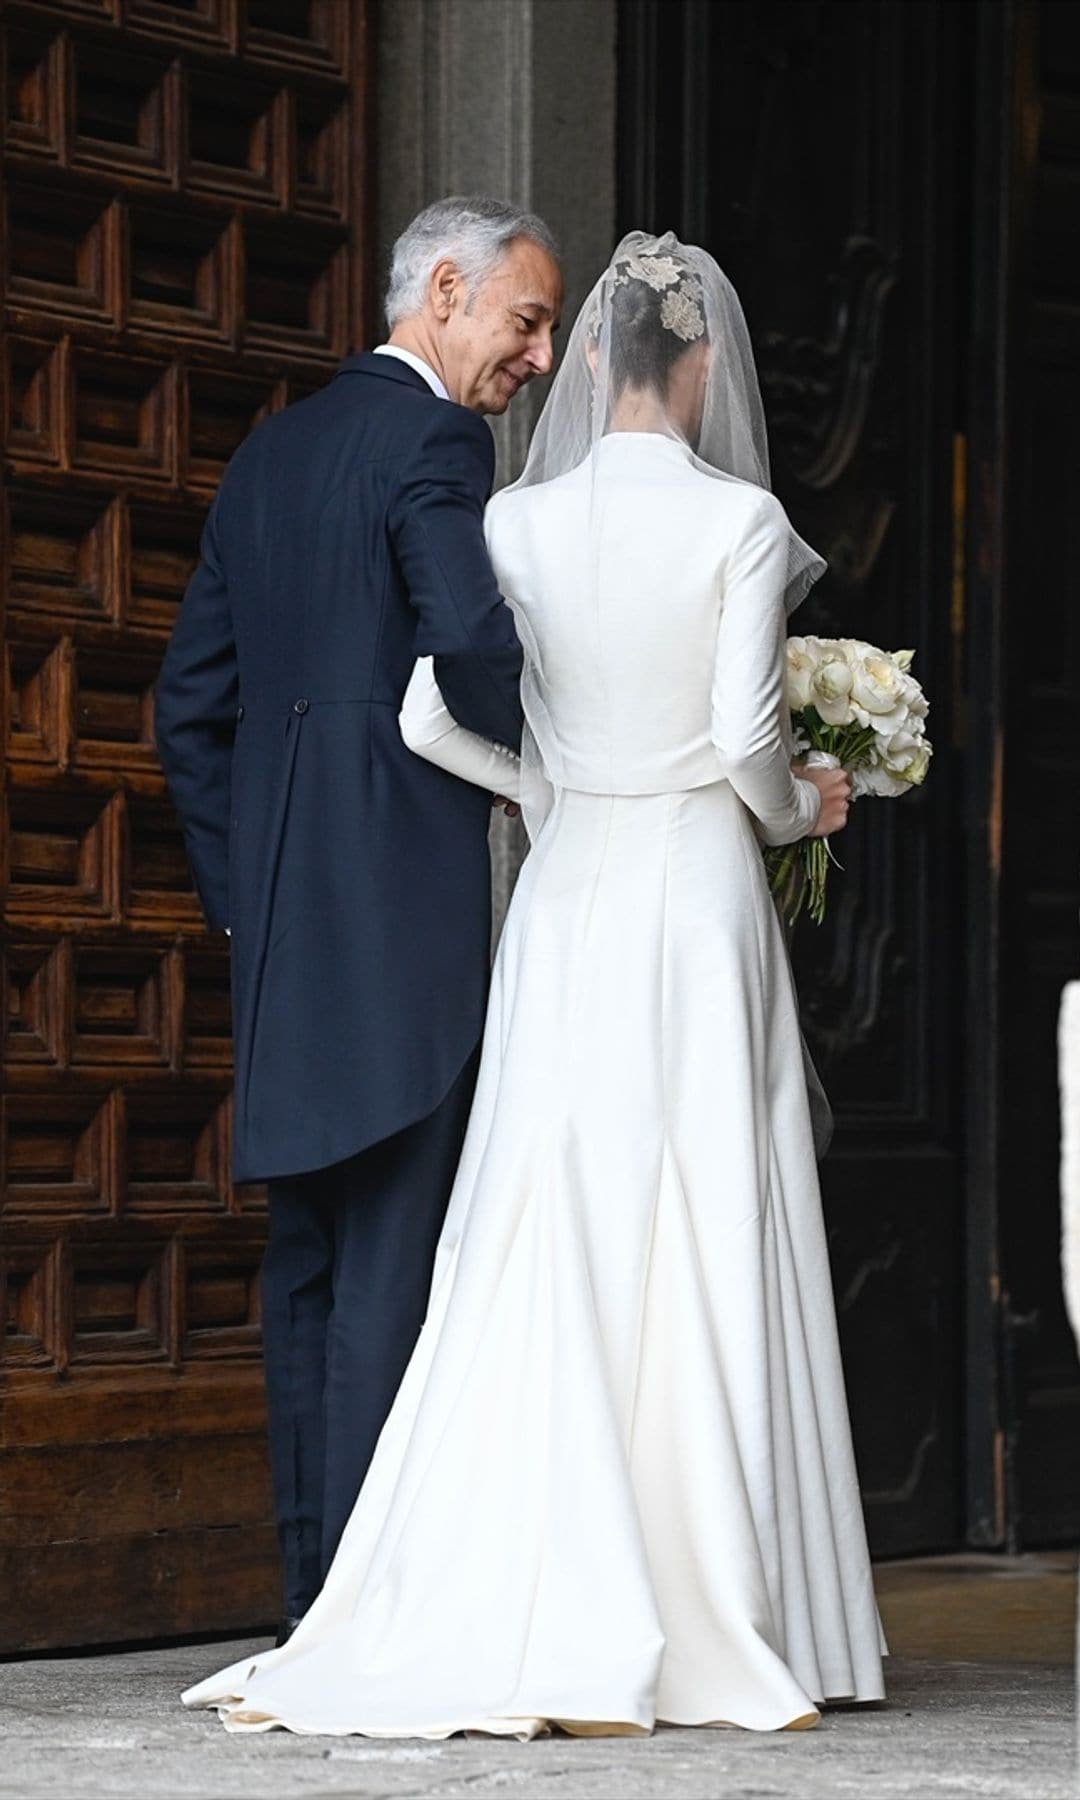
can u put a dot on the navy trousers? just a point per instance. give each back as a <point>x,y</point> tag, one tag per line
<point>345,1286</point>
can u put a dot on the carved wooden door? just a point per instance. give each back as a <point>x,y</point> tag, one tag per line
<point>184,188</point>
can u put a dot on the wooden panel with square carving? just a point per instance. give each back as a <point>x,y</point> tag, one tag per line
<point>184,217</point>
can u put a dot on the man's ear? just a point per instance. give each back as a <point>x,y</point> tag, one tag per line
<point>444,287</point>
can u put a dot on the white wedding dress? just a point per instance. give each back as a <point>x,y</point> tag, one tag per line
<point>617,1484</point>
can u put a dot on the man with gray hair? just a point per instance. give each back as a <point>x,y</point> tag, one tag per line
<point>504,266</point>
<point>347,540</point>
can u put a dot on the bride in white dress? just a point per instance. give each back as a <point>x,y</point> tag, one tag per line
<point>617,1484</point>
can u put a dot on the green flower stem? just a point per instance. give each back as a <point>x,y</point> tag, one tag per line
<point>799,873</point>
<point>817,868</point>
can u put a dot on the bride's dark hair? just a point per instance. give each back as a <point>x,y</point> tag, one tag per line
<point>644,349</point>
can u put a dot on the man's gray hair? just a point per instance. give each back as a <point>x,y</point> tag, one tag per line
<point>473,230</point>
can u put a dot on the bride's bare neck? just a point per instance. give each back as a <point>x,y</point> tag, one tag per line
<point>639,409</point>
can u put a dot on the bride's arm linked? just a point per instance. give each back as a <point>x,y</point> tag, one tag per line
<point>431,731</point>
<point>749,699</point>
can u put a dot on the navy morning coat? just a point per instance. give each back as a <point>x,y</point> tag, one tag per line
<point>346,540</point>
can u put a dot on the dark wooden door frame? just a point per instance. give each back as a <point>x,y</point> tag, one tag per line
<point>984,588</point>
<point>1023,1401</point>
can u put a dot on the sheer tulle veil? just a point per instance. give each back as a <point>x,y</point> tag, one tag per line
<point>660,345</point>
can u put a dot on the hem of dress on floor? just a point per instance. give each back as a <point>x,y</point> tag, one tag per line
<point>527,1728</point>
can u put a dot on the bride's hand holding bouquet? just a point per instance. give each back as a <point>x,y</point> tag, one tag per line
<point>859,722</point>
<point>834,785</point>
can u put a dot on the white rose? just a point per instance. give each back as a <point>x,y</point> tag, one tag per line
<point>854,649</point>
<point>828,649</point>
<point>903,659</point>
<point>912,715</point>
<point>895,765</point>
<point>831,691</point>
<point>801,663</point>
<point>877,692</point>
<point>910,761</point>
<point>900,744</point>
<point>872,778</point>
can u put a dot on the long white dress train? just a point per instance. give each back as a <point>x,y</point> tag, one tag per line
<point>617,1484</point>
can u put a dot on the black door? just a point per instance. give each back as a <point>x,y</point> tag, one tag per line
<point>856,167</point>
<point>1035,467</point>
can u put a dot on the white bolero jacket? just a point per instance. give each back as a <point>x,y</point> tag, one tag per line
<point>665,671</point>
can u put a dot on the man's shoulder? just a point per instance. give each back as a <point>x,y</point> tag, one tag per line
<point>360,403</point>
<point>366,419</point>
<point>359,429</point>
<point>452,444</point>
<point>382,417</point>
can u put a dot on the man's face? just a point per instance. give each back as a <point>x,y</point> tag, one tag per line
<point>497,336</point>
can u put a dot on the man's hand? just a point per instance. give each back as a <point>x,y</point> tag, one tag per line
<point>510,807</point>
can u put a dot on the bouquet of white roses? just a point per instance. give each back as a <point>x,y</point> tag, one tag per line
<point>853,707</point>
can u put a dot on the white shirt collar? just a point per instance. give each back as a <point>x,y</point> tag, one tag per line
<point>417,363</point>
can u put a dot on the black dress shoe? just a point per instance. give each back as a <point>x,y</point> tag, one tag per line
<point>285,1630</point>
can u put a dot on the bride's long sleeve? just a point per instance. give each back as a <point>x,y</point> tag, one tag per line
<point>749,718</point>
<point>432,732</point>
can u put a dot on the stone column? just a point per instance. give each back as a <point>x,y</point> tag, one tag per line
<point>514,98</point>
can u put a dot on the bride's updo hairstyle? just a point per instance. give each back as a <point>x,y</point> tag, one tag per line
<point>656,313</point>
<point>656,300</point>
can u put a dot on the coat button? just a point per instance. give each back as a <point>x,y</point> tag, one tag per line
<point>300,706</point>
<point>239,714</point>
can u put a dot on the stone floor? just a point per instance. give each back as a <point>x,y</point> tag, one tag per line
<point>980,1704</point>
